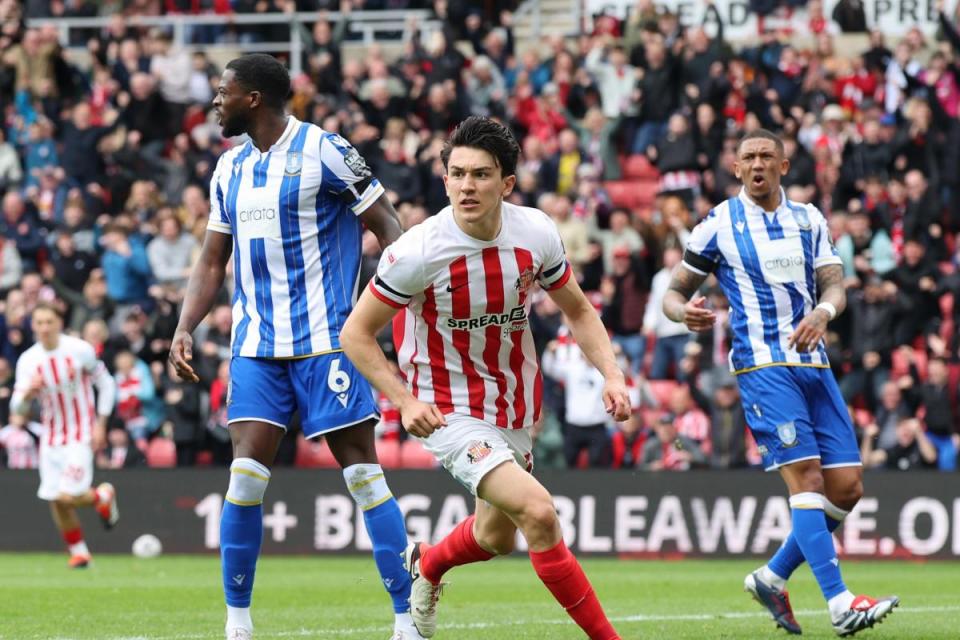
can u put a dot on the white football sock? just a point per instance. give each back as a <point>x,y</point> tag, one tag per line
<point>402,621</point>
<point>840,604</point>
<point>772,579</point>
<point>79,549</point>
<point>239,617</point>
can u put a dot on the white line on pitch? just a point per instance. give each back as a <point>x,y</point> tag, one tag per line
<point>641,617</point>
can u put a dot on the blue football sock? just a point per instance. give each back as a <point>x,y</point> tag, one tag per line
<point>388,533</point>
<point>788,557</point>
<point>385,526</point>
<point>816,543</point>
<point>241,529</point>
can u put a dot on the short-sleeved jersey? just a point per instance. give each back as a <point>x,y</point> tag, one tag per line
<point>463,340</point>
<point>293,214</point>
<point>68,409</point>
<point>766,264</point>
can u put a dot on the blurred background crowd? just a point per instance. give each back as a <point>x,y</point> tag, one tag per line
<point>628,134</point>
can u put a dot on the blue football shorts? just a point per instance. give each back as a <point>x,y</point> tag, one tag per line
<point>327,390</point>
<point>798,413</point>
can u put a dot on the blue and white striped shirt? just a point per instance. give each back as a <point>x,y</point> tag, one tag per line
<point>293,214</point>
<point>765,263</point>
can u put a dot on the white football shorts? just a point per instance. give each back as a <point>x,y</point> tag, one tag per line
<point>66,469</point>
<point>470,448</point>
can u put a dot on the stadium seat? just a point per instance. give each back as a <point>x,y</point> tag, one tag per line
<point>414,456</point>
<point>161,453</point>
<point>662,389</point>
<point>638,167</point>
<point>388,452</point>
<point>632,194</point>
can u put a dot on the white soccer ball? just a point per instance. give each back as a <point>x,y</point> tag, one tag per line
<point>147,546</point>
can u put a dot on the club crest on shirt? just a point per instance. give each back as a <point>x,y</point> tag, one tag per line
<point>478,450</point>
<point>788,434</point>
<point>525,281</point>
<point>803,220</point>
<point>294,163</point>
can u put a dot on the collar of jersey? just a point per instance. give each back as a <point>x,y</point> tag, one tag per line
<point>283,139</point>
<point>752,207</point>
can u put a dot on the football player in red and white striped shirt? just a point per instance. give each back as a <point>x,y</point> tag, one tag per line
<point>60,372</point>
<point>463,279</point>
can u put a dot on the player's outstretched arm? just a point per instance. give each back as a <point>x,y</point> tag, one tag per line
<point>679,304</point>
<point>205,282</point>
<point>833,300</point>
<point>359,341</point>
<point>592,338</point>
<point>382,219</point>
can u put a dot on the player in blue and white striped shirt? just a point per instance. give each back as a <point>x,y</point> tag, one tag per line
<point>289,205</point>
<point>776,264</point>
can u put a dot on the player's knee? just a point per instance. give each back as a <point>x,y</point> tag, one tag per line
<point>539,516</point>
<point>811,479</point>
<point>847,496</point>
<point>248,482</point>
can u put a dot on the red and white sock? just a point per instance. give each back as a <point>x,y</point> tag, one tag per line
<point>563,576</point>
<point>459,547</point>
<point>75,544</point>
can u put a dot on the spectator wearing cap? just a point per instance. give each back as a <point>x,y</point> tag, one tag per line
<point>669,338</point>
<point>585,415</point>
<point>732,447</point>
<point>667,450</point>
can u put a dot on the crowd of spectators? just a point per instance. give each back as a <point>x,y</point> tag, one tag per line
<point>628,137</point>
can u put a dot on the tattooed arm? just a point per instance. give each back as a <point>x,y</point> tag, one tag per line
<point>814,326</point>
<point>677,302</point>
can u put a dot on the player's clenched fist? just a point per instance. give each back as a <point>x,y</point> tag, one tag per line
<point>421,419</point>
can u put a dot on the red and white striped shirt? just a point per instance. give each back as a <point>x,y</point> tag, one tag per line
<point>69,371</point>
<point>463,340</point>
<point>20,444</point>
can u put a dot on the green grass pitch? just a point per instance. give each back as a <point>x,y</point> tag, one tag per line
<point>178,598</point>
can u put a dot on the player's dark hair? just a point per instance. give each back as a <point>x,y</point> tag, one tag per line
<point>43,305</point>
<point>762,134</point>
<point>488,135</point>
<point>264,73</point>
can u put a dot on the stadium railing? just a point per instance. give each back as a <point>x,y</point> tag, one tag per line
<point>373,26</point>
